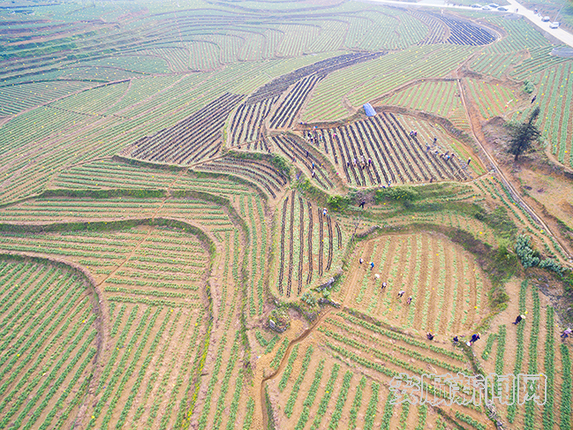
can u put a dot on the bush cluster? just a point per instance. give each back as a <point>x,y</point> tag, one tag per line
<point>338,203</point>
<point>400,193</point>
<point>525,252</point>
<point>530,257</point>
<point>528,87</point>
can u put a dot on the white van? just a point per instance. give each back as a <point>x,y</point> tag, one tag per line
<point>554,25</point>
<point>545,19</point>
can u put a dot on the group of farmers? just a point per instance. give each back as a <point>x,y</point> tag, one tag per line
<point>476,336</point>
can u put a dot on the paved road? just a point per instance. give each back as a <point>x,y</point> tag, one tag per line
<point>559,33</point>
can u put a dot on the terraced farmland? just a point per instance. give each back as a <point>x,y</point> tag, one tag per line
<point>201,228</point>
<point>196,138</point>
<point>309,244</point>
<point>441,98</point>
<point>381,151</point>
<point>447,290</point>
<point>57,314</point>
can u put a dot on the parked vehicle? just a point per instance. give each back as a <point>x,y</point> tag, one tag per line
<point>476,6</point>
<point>554,25</point>
<point>486,8</point>
<point>502,9</point>
<point>545,19</point>
<point>493,5</point>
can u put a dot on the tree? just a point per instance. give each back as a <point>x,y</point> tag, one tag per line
<point>523,135</point>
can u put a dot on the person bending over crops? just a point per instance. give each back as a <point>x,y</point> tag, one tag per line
<point>475,338</point>
<point>518,319</point>
<point>430,336</point>
<point>401,293</point>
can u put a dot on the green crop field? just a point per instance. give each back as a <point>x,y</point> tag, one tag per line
<point>284,215</point>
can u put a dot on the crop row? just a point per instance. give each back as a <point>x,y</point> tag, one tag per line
<point>17,98</point>
<point>375,31</point>
<point>289,407</point>
<point>51,331</point>
<point>190,140</point>
<point>492,100</point>
<point>388,345</point>
<point>379,151</point>
<point>395,335</point>
<point>278,85</point>
<point>289,108</point>
<point>382,368</point>
<point>246,123</point>
<point>288,369</point>
<point>438,31</point>
<point>258,171</point>
<point>566,388</point>
<point>532,369</point>
<point>341,401</point>
<point>464,32</point>
<point>323,404</point>
<point>310,396</point>
<point>301,244</point>
<point>367,82</point>
<point>296,151</point>
<point>441,98</point>
<point>555,97</point>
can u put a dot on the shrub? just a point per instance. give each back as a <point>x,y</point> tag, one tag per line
<point>525,252</point>
<point>528,87</point>
<point>309,299</point>
<point>400,193</point>
<point>529,257</point>
<point>281,165</point>
<point>337,203</point>
<point>551,264</point>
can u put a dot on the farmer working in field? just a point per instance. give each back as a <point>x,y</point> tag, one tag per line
<point>475,338</point>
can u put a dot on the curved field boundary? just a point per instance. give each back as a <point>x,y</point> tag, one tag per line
<point>259,172</point>
<point>119,225</point>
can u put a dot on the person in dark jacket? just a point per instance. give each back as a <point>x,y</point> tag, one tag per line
<point>474,339</point>
<point>518,319</point>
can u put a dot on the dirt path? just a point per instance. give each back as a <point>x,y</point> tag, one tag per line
<point>265,419</point>
<point>480,140</point>
<point>535,19</point>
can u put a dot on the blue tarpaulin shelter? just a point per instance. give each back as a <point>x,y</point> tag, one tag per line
<point>369,109</point>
